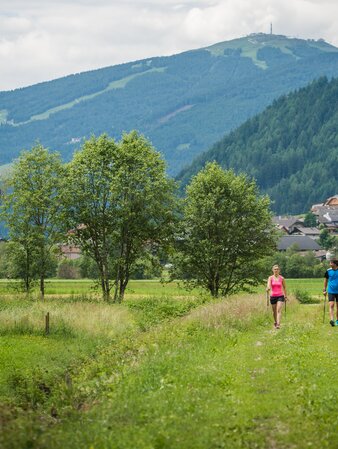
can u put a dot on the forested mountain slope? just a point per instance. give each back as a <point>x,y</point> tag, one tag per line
<point>183,103</point>
<point>291,148</point>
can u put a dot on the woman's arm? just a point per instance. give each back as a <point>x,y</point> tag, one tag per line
<point>284,288</point>
<point>268,285</point>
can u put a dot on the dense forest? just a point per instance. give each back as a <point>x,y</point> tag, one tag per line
<point>291,148</point>
<point>182,103</point>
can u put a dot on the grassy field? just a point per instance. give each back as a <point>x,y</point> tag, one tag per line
<point>88,287</point>
<point>169,370</point>
<point>143,287</point>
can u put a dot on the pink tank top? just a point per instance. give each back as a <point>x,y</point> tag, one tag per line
<point>276,286</point>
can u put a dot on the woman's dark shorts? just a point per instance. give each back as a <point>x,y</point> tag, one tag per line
<point>333,297</point>
<point>275,299</point>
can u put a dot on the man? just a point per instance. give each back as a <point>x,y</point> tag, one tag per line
<point>331,287</point>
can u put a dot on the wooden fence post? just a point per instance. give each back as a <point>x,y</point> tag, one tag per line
<point>47,324</point>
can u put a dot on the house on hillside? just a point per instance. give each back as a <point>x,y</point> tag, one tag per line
<point>332,201</point>
<point>313,233</point>
<point>303,243</point>
<point>287,224</point>
<point>329,219</point>
<point>327,213</point>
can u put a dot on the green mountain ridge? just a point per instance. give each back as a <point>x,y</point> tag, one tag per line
<point>182,103</point>
<point>291,148</point>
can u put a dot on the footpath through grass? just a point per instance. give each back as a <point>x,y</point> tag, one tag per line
<point>219,377</point>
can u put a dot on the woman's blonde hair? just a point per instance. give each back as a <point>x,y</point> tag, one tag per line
<point>275,266</point>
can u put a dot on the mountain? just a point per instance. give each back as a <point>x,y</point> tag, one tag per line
<point>291,148</point>
<point>182,103</point>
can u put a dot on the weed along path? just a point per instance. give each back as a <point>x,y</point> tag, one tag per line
<point>217,377</point>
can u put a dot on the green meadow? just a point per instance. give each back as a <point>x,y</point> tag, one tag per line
<point>168,368</point>
<point>140,287</point>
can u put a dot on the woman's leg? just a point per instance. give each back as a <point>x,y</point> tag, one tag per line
<point>274,312</point>
<point>279,312</point>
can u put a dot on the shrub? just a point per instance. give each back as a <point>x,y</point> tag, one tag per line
<point>304,297</point>
<point>68,269</point>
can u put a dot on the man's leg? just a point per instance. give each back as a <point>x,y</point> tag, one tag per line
<point>331,308</point>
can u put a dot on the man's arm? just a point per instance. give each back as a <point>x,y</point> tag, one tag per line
<point>326,277</point>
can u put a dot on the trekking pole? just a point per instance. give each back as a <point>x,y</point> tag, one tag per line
<point>324,307</point>
<point>285,306</point>
<point>267,300</point>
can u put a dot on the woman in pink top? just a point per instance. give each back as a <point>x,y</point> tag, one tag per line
<point>277,288</point>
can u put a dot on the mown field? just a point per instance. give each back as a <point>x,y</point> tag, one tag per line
<point>166,369</point>
<point>140,287</point>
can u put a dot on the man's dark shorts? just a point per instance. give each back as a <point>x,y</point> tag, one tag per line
<point>333,297</point>
<point>275,299</point>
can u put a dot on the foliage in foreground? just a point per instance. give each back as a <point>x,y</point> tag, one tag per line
<point>216,378</point>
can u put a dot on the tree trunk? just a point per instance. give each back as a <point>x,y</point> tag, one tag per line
<point>122,289</point>
<point>104,284</point>
<point>42,287</point>
<point>26,276</point>
<point>116,290</point>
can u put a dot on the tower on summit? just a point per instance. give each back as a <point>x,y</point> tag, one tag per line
<point>270,28</point>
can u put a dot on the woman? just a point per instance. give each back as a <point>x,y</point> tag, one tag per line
<point>277,288</point>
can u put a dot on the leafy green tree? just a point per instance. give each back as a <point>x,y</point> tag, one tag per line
<point>119,204</point>
<point>31,209</point>
<point>227,228</point>
<point>145,206</point>
<point>326,240</point>
<point>89,204</point>
<point>310,220</point>
<point>295,265</point>
<point>88,267</point>
<point>3,260</point>
<point>20,264</point>
<point>68,269</point>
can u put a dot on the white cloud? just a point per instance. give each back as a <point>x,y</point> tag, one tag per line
<point>41,39</point>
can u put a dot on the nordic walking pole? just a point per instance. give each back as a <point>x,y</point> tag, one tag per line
<point>324,307</point>
<point>267,300</point>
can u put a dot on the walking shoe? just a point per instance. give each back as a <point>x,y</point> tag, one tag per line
<point>277,326</point>
<point>332,322</point>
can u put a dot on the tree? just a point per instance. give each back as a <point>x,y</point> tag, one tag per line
<point>145,206</point>
<point>227,228</point>
<point>326,240</point>
<point>120,205</point>
<point>310,220</point>
<point>31,210</point>
<point>89,204</point>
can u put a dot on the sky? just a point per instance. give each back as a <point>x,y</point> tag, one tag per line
<point>42,40</point>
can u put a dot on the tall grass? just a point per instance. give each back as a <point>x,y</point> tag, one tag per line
<point>72,318</point>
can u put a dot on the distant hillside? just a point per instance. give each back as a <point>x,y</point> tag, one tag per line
<point>183,103</point>
<point>291,148</point>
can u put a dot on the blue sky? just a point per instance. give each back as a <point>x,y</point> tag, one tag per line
<point>42,39</point>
